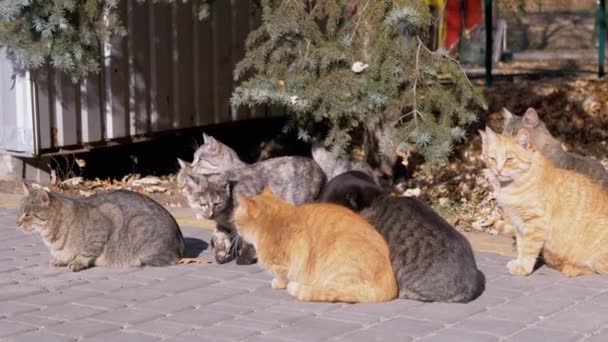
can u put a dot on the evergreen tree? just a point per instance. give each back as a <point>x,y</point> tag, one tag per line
<point>357,65</point>
<point>67,33</point>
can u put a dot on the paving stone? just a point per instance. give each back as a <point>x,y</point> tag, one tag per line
<point>489,325</point>
<point>453,334</point>
<point>231,302</point>
<point>16,291</point>
<point>126,316</point>
<point>8,328</point>
<point>81,328</point>
<point>584,317</point>
<point>122,336</point>
<point>240,322</point>
<point>527,309</point>
<point>400,327</point>
<point>40,336</point>
<point>36,321</point>
<point>314,329</point>
<point>103,302</point>
<point>446,312</point>
<point>9,308</point>
<point>534,334</point>
<point>54,298</point>
<point>161,328</point>
<point>601,336</point>
<point>248,284</point>
<point>190,299</point>
<point>66,312</point>
<point>199,317</point>
<point>282,317</point>
<point>217,333</point>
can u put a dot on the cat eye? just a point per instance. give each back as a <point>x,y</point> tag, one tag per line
<point>508,160</point>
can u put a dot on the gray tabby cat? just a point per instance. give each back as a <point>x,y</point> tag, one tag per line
<point>432,261</point>
<point>551,147</point>
<point>334,165</point>
<point>294,179</point>
<point>116,229</point>
<point>214,156</point>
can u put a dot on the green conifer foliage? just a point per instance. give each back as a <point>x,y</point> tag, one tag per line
<point>67,33</point>
<point>355,64</point>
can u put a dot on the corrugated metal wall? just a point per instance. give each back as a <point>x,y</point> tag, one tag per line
<point>171,72</point>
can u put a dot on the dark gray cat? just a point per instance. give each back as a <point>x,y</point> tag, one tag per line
<point>294,179</point>
<point>432,261</point>
<point>551,147</point>
<point>116,229</point>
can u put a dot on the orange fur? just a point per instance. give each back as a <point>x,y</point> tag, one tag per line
<point>319,252</point>
<point>559,213</point>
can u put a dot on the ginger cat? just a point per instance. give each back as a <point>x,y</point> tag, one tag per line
<point>559,213</point>
<point>319,252</point>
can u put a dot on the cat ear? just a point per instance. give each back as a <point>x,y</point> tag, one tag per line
<point>183,164</point>
<point>491,136</point>
<point>209,141</point>
<point>482,134</point>
<point>27,188</point>
<point>267,191</point>
<point>523,138</point>
<point>506,114</point>
<point>531,119</point>
<point>192,182</point>
<point>44,197</point>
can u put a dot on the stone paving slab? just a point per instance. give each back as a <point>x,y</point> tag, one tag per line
<point>209,302</point>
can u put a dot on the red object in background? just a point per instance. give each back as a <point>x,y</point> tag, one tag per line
<point>470,13</point>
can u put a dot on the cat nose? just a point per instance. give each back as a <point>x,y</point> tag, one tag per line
<point>20,219</point>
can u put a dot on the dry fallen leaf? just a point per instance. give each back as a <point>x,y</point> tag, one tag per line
<point>186,261</point>
<point>154,188</point>
<point>149,180</point>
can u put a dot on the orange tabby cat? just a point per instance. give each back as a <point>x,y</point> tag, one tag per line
<point>318,251</point>
<point>558,212</point>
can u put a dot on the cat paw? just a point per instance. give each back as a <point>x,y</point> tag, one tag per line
<point>76,266</point>
<point>575,271</point>
<point>221,257</point>
<point>292,288</point>
<point>516,268</point>
<point>278,283</point>
<point>56,263</point>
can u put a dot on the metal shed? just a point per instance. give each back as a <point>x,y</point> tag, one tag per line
<point>172,72</point>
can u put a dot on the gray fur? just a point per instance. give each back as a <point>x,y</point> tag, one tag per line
<point>214,156</point>
<point>432,261</point>
<point>552,148</point>
<point>334,165</point>
<point>294,179</point>
<point>115,229</point>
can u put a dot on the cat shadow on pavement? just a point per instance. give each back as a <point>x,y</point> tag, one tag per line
<point>194,247</point>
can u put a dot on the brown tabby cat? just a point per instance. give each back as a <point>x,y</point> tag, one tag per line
<point>318,251</point>
<point>559,213</point>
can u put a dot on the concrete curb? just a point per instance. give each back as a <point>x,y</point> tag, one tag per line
<point>185,217</point>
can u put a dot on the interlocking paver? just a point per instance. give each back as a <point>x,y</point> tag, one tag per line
<point>314,329</point>
<point>209,302</point>
<point>40,336</point>
<point>534,334</point>
<point>81,328</point>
